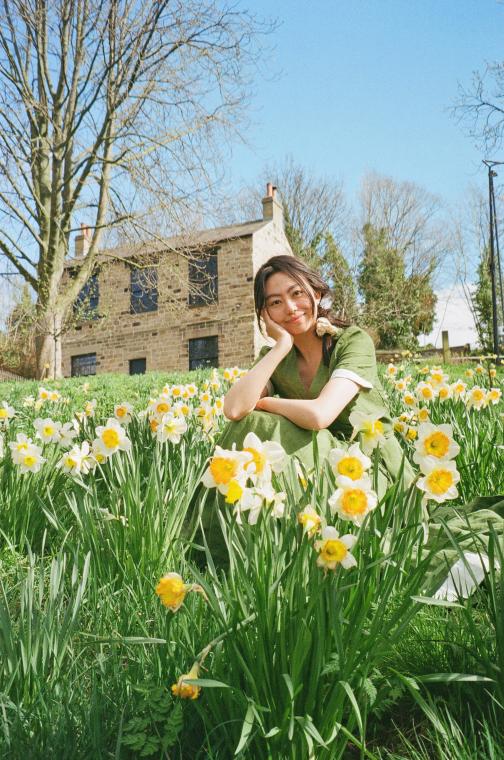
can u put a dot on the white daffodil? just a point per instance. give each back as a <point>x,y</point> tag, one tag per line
<point>177,392</point>
<point>226,467</point>
<point>19,447</point>
<point>458,389</point>
<point>54,396</point>
<point>409,399</point>
<point>267,457</point>
<point>28,401</point>
<point>425,392</point>
<point>67,432</point>
<point>353,500</point>
<point>494,396</point>
<point>437,377</point>
<point>439,480</point>
<point>77,461</point>
<point>90,408</point>
<point>6,414</point>
<point>351,463</point>
<point>310,520</point>
<point>43,394</point>
<point>274,500</point>
<point>112,437</point>
<point>444,392</point>
<point>160,406</point>
<point>476,398</point>
<point>171,428</point>
<point>31,459</point>
<point>422,414</point>
<point>182,408</point>
<point>123,412</point>
<point>435,441</point>
<point>370,428</point>
<point>334,550</point>
<point>47,430</point>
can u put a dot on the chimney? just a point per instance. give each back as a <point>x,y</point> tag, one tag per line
<point>83,241</point>
<point>272,208</point>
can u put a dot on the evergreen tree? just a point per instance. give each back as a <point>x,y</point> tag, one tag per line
<point>481,300</point>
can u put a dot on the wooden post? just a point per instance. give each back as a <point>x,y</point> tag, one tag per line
<point>446,346</point>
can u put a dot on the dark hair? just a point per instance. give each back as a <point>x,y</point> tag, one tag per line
<point>303,275</point>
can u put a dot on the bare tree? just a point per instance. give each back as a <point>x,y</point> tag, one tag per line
<point>109,112</point>
<point>412,219</point>
<point>479,107</point>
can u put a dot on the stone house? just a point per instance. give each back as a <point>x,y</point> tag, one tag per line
<point>175,312</point>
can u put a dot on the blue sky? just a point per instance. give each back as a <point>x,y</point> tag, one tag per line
<point>360,85</point>
<point>367,84</point>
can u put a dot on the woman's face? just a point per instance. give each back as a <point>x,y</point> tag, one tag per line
<point>288,304</point>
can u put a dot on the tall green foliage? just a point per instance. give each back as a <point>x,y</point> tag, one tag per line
<point>397,306</point>
<point>481,301</point>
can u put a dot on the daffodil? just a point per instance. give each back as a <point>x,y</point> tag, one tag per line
<point>47,430</point>
<point>476,398</point>
<point>67,433</point>
<point>334,550</point>
<point>90,408</point>
<point>310,520</point>
<point>437,377</point>
<point>435,441</point>
<point>186,690</point>
<point>112,437</point>
<point>439,480</point>
<point>6,413</point>
<point>172,591</point>
<point>122,412</point>
<point>43,394</point>
<point>444,392</point>
<point>77,461</point>
<point>351,463</point>
<point>425,391</point>
<point>31,459</point>
<point>225,467</point>
<point>370,428</point>
<point>19,447</point>
<point>171,428</point>
<point>266,457</point>
<point>422,414</point>
<point>353,500</point>
<point>409,399</point>
<point>494,396</point>
<point>391,371</point>
<point>469,373</point>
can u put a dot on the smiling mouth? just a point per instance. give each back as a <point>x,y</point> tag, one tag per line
<point>295,319</point>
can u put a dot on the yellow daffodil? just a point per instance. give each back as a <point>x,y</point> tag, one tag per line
<point>172,591</point>
<point>494,395</point>
<point>112,437</point>
<point>226,466</point>
<point>476,398</point>
<point>435,441</point>
<point>186,690</point>
<point>122,412</point>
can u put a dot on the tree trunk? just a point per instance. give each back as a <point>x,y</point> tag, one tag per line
<point>48,346</point>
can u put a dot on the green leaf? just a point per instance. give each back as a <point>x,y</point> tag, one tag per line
<point>248,724</point>
<point>435,602</point>
<point>453,678</point>
<point>207,683</point>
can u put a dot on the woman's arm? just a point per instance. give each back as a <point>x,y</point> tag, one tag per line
<point>243,396</point>
<point>313,414</point>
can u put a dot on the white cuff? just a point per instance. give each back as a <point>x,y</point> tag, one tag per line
<point>349,375</point>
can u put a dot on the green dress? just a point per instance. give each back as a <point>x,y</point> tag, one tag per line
<point>353,357</point>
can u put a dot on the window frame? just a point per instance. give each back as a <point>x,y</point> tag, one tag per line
<point>83,311</point>
<point>73,373</point>
<point>200,275</point>
<point>207,358</point>
<point>139,359</point>
<point>147,297</point>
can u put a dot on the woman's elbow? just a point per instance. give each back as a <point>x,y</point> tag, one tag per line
<point>233,413</point>
<point>320,421</point>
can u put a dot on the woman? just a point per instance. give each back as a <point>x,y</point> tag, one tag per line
<point>316,374</point>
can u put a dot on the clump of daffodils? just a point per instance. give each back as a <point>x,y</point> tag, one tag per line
<point>354,498</point>
<point>25,454</point>
<point>244,477</point>
<point>435,450</point>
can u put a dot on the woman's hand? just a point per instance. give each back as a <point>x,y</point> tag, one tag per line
<point>276,331</point>
<point>263,404</point>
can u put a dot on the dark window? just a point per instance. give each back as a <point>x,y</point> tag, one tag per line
<point>203,278</point>
<point>203,352</point>
<point>137,366</point>
<point>144,290</point>
<point>86,304</point>
<point>83,364</point>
